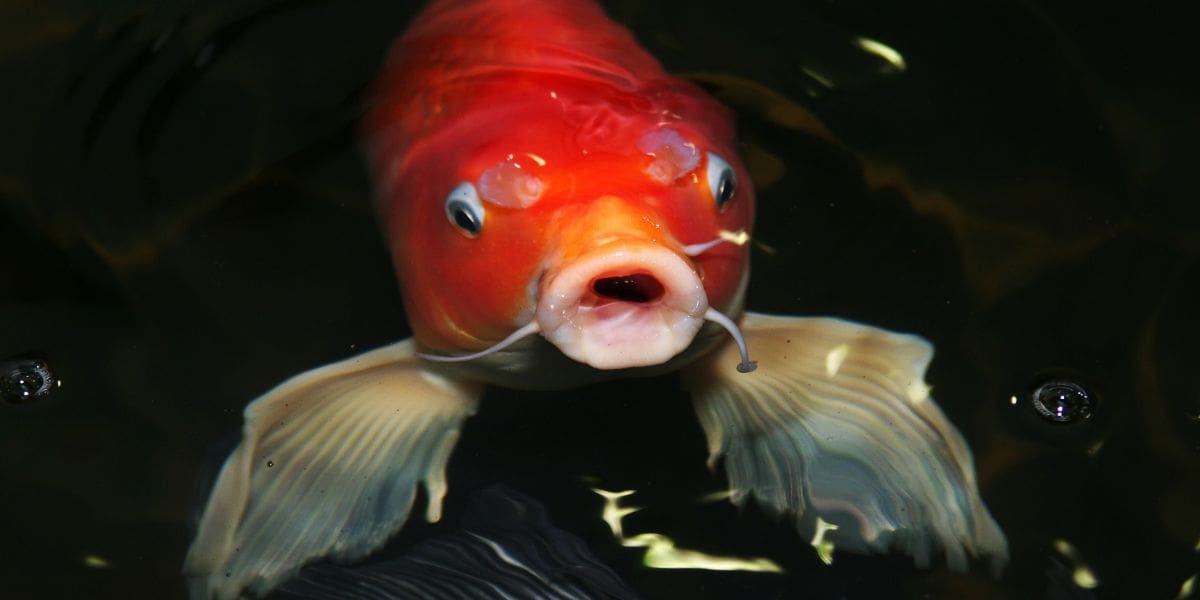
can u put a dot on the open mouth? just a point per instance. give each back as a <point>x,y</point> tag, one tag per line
<point>637,288</point>
<point>627,304</point>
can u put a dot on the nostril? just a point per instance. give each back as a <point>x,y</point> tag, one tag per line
<point>638,287</point>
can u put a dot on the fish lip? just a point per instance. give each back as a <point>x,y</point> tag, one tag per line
<point>615,334</point>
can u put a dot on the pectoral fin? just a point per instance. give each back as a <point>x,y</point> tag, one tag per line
<point>837,422</point>
<point>328,466</point>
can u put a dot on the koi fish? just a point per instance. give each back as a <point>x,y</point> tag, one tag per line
<point>561,211</point>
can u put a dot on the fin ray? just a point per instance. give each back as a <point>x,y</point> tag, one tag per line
<point>328,465</point>
<point>837,421</point>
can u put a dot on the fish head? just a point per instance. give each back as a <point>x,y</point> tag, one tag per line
<point>584,221</point>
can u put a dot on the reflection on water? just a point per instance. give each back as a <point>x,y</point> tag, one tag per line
<point>186,221</point>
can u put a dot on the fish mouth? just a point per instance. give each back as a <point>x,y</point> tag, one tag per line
<point>624,303</point>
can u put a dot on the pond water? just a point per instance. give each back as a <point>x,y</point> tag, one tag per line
<point>185,220</point>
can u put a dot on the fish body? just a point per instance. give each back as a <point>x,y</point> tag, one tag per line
<point>560,211</point>
<point>579,147</point>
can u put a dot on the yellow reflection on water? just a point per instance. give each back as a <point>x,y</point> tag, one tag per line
<point>661,551</point>
<point>93,561</point>
<point>1082,575</point>
<point>823,546</point>
<point>883,51</point>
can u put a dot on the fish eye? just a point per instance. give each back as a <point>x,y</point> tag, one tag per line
<point>464,210</point>
<point>721,180</point>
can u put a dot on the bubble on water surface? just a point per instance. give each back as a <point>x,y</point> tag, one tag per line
<point>25,379</point>
<point>1062,401</point>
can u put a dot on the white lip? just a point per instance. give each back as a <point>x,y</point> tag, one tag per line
<point>614,334</point>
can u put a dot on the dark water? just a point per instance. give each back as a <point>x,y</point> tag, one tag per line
<point>185,220</point>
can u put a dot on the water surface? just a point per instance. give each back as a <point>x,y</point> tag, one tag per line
<point>185,220</point>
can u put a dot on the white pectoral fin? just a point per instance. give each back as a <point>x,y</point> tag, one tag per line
<point>328,466</point>
<point>837,422</point>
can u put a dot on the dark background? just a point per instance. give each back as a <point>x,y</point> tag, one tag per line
<point>185,220</point>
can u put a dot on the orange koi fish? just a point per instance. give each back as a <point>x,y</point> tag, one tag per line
<point>561,211</point>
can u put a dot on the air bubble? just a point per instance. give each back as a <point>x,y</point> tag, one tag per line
<point>26,379</point>
<point>1062,401</point>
